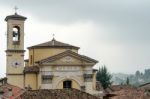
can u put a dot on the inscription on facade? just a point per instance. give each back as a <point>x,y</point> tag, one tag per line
<point>67,68</point>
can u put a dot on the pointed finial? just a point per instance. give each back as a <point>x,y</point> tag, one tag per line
<point>53,40</point>
<point>15,8</point>
<point>53,36</point>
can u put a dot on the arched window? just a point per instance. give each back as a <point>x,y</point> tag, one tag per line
<point>16,33</point>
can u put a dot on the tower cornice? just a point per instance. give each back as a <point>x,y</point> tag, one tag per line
<point>15,17</point>
<point>15,51</point>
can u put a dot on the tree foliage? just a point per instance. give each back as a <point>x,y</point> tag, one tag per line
<point>137,79</point>
<point>104,77</point>
<point>127,81</point>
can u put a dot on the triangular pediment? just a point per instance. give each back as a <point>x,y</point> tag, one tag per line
<point>68,57</point>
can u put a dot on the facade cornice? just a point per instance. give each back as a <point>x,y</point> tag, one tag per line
<point>67,53</point>
<point>66,64</point>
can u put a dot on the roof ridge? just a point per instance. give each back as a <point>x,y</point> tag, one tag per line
<point>53,43</point>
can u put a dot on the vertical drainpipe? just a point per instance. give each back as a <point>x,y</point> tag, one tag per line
<point>33,57</point>
<point>36,81</point>
<point>24,79</point>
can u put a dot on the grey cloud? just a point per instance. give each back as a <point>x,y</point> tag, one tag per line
<point>126,21</point>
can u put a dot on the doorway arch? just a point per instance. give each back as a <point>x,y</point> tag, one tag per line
<point>67,84</point>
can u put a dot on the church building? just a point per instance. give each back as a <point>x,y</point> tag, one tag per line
<point>50,65</point>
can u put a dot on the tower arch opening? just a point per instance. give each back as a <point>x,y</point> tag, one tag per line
<point>16,34</point>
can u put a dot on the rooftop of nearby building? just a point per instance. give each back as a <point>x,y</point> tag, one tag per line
<point>31,69</point>
<point>126,92</point>
<point>145,84</point>
<point>57,94</point>
<point>8,91</point>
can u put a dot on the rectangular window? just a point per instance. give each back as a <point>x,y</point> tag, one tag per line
<point>46,79</point>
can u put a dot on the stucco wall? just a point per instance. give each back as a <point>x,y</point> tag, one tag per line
<point>41,53</point>
<point>94,81</point>
<point>11,59</point>
<point>17,80</point>
<point>31,80</point>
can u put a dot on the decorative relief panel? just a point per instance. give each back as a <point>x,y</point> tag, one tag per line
<point>62,73</point>
<point>67,68</point>
<point>68,59</point>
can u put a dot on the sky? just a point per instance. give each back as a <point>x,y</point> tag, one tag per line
<point>114,32</point>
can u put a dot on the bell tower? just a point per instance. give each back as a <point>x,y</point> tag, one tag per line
<point>15,49</point>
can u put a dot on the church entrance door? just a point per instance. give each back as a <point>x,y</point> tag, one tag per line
<point>67,84</point>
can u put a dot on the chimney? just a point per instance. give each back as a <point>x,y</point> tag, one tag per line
<point>1,93</point>
<point>3,81</point>
<point>10,93</point>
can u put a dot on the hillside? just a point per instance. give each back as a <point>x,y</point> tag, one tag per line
<point>135,79</point>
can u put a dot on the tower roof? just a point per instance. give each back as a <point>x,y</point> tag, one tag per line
<point>15,17</point>
<point>53,43</point>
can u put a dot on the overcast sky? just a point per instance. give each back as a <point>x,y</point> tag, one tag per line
<point>114,32</point>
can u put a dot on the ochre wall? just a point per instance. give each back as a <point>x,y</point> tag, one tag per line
<point>38,54</point>
<point>11,59</point>
<point>17,80</point>
<point>31,79</point>
<point>26,63</point>
<point>41,53</point>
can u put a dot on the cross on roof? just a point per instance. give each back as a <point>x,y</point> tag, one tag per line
<point>53,35</point>
<point>16,8</point>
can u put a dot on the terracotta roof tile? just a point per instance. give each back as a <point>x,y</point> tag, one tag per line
<point>11,91</point>
<point>57,94</point>
<point>127,92</point>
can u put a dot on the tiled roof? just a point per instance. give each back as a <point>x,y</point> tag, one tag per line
<point>53,43</point>
<point>15,17</point>
<point>57,94</point>
<point>127,92</point>
<point>31,69</point>
<point>10,91</point>
<point>145,84</point>
<point>68,52</point>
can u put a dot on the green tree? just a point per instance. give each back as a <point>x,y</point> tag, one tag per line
<point>104,77</point>
<point>127,81</point>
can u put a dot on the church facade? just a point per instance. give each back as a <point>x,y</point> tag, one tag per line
<point>51,65</point>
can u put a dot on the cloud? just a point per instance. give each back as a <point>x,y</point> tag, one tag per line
<point>115,32</point>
